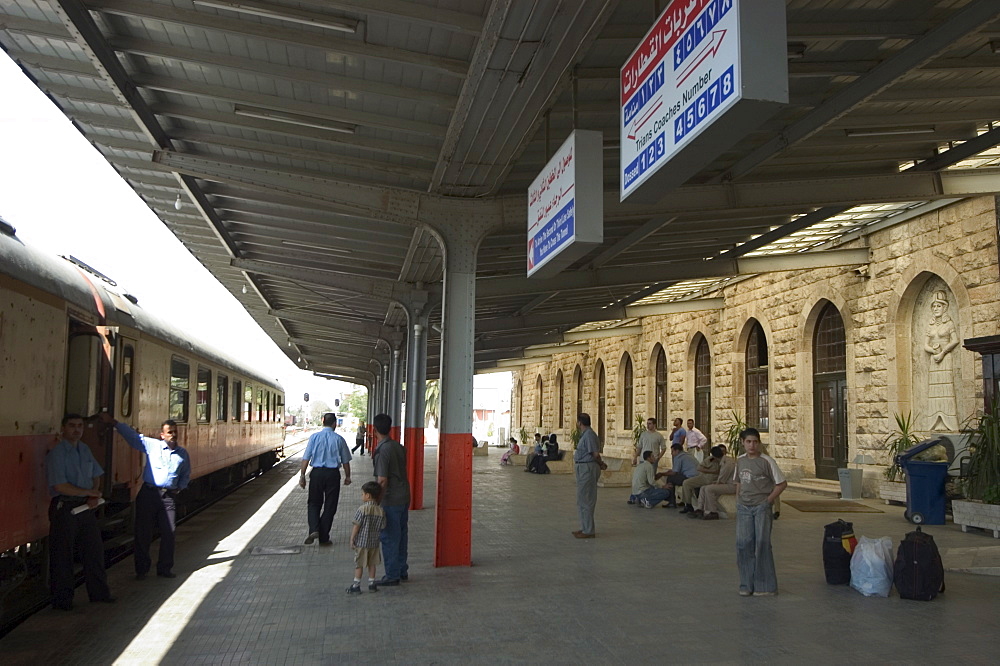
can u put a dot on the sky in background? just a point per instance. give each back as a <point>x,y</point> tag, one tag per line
<point>63,197</point>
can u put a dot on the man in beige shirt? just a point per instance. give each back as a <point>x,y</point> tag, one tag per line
<point>650,440</point>
<point>708,473</point>
<point>706,505</point>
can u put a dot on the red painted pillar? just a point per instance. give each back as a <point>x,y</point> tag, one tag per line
<point>370,444</point>
<point>453,532</point>
<point>415,466</point>
<point>394,433</point>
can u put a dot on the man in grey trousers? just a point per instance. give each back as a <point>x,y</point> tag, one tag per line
<point>758,484</point>
<point>588,464</point>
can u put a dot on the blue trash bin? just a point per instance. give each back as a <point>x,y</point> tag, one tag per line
<point>925,499</point>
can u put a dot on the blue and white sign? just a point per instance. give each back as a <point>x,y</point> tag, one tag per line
<point>566,205</point>
<point>691,70</point>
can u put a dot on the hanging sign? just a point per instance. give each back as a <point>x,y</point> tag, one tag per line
<point>702,61</point>
<point>566,205</point>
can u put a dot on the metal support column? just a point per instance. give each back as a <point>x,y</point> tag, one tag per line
<point>453,533</point>
<point>416,382</point>
<point>395,392</point>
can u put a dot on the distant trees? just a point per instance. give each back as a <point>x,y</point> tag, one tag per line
<point>432,403</point>
<point>356,404</point>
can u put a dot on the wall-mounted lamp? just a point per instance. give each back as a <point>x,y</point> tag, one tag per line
<point>178,204</point>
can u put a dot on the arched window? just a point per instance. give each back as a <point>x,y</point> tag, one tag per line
<point>602,396</point>
<point>703,387</point>
<point>562,397</point>
<point>578,380</point>
<point>756,379</point>
<point>627,394</point>
<point>660,402</point>
<point>830,393</point>
<point>520,402</point>
<point>538,392</point>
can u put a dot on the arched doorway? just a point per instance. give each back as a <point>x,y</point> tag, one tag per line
<point>538,392</point>
<point>578,381</point>
<point>703,387</point>
<point>602,388</point>
<point>562,405</point>
<point>830,393</point>
<point>627,394</point>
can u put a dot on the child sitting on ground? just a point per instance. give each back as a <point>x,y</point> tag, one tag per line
<point>369,520</point>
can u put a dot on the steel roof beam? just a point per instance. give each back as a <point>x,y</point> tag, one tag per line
<point>627,275</point>
<point>966,20</point>
<point>253,29</point>
<point>208,138</point>
<point>326,80</point>
<point>360,381</point>
<point>285,129</point>
<point>55,64</point>
<point>370,329</point>
<point>390,290</point>
<point>320,112</point>
<point>408,12</point>
<point>610,313</point>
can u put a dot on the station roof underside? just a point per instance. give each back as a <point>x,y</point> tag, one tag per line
<point>312,144</point>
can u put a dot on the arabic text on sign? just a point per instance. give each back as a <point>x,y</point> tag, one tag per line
<point>701,29</point>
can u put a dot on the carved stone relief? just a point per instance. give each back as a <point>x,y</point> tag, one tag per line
<point>935,359</point>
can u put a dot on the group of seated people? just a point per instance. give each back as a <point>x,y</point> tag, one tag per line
<point>546,449</point>
<point>700,484</point>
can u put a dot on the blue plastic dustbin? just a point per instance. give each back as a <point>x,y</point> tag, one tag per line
<point>925,501</point>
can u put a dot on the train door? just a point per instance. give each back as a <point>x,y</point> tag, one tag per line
<point>126,469</point>
<point>89,385</point>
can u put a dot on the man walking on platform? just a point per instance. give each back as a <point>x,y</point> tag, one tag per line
<point>327,452</point>
<point>74,478</point>
<point>390,472</point>
<point>359,439</point>
<point>588,464</point>
<point>167,471</point>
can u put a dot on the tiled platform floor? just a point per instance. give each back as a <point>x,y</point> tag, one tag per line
<point>654,586</point>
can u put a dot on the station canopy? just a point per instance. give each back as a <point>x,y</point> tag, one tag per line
<point>311,143</point>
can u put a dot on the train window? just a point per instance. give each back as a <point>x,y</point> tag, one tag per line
<point>203,396</point>
<point>260,405</point>
<point>128,361</point>
<point>83,373</point>
<point>248,403</point>
<point>180,388</point>
<point>237,398</point>
<point>268,406</point>
<point>279,404</point>
<point>221,398</point>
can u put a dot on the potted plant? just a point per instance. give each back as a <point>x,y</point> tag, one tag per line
<point>574,436</point>
<point>637,430</point>
<point>893,488</point>
<point>734,426</point>
<point>982,482</point>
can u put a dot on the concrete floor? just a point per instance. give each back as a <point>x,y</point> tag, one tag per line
<point>653,586</point>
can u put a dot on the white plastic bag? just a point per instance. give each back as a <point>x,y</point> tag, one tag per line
<point>871,567</point>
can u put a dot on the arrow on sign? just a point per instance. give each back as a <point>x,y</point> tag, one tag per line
<point>710,50</point>
<point>637,125</point>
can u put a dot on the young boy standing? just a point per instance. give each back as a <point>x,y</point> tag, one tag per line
<point>758,484</point>
<point>369,520</point>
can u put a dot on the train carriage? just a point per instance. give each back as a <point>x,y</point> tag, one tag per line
<point>72,341</point>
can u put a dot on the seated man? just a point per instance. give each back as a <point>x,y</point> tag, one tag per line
<point>708,473</point>
<point>684,467</point>
<point>706,506</point>
<point>643,478</point>
<point>534,452</point>
<point>537,464</point>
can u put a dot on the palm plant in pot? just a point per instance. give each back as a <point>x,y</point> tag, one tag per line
<point>893,487</point>
<point>982,480</point>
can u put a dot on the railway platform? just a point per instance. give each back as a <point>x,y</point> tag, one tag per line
<point>654,585</point>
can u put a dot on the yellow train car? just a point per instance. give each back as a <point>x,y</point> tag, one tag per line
<point>71,341</point>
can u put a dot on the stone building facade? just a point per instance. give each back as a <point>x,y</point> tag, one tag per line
<point>828,355</point>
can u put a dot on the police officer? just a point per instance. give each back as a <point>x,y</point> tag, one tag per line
<point>74,478</point>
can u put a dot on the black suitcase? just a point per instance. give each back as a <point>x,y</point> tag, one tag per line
<point>838,546</point>
<point>918,571</point>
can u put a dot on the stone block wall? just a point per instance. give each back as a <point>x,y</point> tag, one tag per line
<point>953,248</point>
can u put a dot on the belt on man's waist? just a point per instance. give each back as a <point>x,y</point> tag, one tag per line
<point>585,462</point>
<point>156,487</point>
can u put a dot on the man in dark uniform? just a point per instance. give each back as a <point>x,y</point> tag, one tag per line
<point>167,471</point>
<point>74,478</point>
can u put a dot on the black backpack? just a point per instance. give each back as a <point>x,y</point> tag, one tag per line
<point>918,571</point>
<point>837,538</point>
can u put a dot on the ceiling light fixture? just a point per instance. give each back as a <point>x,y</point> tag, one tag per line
<point>293,119</point>
<point>244,289</point>
<point>889,131</point>
<point>796,51</point>
<point>178,204</point>
<point>284,14</point>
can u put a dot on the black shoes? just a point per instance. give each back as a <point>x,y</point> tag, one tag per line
<point>312,537</point>
<point>373,587</point>
<point>388,582</point>
<point>354,589</point>
<point>326,543</point>
<point>404,577</point>
<point>166,575</point>
<point>687,509</point>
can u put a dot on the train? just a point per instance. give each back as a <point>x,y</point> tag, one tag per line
<point>73,341</point>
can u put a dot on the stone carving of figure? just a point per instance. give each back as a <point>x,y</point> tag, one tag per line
<point>942,339</point>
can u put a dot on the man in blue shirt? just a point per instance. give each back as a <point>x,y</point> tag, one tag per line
<point>74,478</point>
<point>167,471</point>
<point>327,452</point>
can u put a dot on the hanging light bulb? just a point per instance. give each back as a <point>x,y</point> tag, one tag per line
<point>244,289</point>
<point>178,203</point>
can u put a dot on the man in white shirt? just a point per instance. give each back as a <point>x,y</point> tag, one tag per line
<point>696,441</point>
